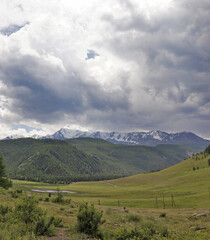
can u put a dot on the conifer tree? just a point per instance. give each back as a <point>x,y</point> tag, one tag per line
<point>4,181</point>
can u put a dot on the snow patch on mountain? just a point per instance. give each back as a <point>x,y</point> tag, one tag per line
<point>151,138</point>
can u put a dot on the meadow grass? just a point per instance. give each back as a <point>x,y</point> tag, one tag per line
<point>189,188</point>
<point>129,202</point>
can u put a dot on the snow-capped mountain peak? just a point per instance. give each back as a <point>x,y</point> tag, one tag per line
<point>151,138</point>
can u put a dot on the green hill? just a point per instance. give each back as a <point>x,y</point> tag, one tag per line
<point>188,182</point>
<point>52,160</point>
<point>138,157</point>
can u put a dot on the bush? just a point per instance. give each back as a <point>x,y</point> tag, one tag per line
<point>162,215</point>
<point>46,199</point>
<point>59,198</point>
<point>14,194</point>
<point>134,218</point>
<point>88,219</point>
<point>28,210</point>
<point>19,191</point>
<point>58,222</point>
<point>44,226</point>
<point>124,234</point>
<point>34,217</point>
<point>148,230</point>
<point>4,210</point>
<point>109,211</point>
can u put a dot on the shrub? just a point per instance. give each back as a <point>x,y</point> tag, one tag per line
<point>148,230</point>
<point>58,222</point>
<point>14,194</point>
<point>59,198</point>
<point>44,226</point>
<point>134,218</point>
<point>162,215</point>
<point>34,217</point>
<point>109,211</point>
<point>19,191</point>
<point>124,234</point>
<point>28,210</point>
<point>4,210</point>
<point>88,219</point>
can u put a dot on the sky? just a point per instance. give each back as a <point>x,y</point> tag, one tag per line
<point>122,65</point>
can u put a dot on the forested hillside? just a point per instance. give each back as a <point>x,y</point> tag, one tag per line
<point>143,157</point>
<point>52,160</point>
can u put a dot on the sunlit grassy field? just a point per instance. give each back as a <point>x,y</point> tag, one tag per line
<point>179,185</point>
<point>169,199</point>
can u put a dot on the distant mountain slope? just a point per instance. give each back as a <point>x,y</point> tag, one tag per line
<point>84,159</point>
<point>140,157</point>
<point>53,160</point>
<point>151,138</point>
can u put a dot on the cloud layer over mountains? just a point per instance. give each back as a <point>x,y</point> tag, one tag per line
<point>115,65</point>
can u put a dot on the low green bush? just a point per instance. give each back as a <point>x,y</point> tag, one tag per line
<point>28,211</point>
<point>14,194</point>
<point>89,219</point>
<point>162,215</point>
<point>4,210</point>
<point>109,211</point>
<point>59,198</point>
<point>147,231</point>
<point>44,226</point>
<point>58,222</point>
<point>134,218</point>
<point>125,234</point>
<point>35,219</point>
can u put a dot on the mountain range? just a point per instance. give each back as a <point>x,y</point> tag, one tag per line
<point>151,138</point>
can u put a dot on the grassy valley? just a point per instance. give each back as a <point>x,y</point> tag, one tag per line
<point>188,182</point>
<point>170,204</point>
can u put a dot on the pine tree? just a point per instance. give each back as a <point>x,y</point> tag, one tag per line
<point>207,150</point>
<point>4,181</point>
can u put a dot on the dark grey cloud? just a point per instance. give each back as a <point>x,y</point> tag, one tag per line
<point>176,49</point>
<point>29,81</point>
<point>153,71</point>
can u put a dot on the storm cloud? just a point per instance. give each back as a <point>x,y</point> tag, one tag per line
<point>124,65</point>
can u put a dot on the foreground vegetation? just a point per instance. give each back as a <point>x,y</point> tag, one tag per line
<point>50,217</point>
